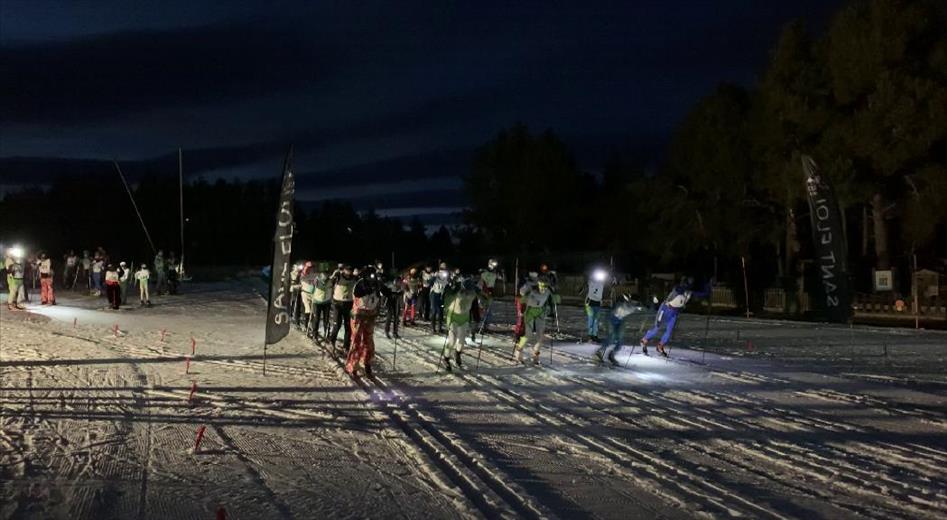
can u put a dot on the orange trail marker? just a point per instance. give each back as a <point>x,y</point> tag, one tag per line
<point>199,438</point>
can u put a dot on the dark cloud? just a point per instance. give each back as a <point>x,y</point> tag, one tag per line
<point>109,75</point>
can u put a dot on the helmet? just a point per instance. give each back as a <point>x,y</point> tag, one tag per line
<point>122,264</point>
<point>144,266</point>
<point>492,264</point>
<point>544,268</point>
<point>443,265</point>
<point>413,271</point>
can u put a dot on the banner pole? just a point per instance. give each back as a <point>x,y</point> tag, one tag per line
<point>746,287</point>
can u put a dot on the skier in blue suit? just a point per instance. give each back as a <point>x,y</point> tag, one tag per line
<point>670,309</point>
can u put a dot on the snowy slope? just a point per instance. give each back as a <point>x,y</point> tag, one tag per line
<point>749,418</point>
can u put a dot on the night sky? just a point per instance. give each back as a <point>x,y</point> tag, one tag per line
<point>385,101</point>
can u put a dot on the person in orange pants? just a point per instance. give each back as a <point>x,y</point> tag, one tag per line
<point>367,300</point>
<point>47,296</point>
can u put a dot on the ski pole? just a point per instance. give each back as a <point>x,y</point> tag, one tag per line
<point>441,359</point>
<point>394,359</point>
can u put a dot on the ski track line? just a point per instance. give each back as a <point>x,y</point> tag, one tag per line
<point>281,507</point>
<point>697,447</point>
<point>853,399</point>
<point>882,492</point>
<point>615,451</point>
<point>492,491</point>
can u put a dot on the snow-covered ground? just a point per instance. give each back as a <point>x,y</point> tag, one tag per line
<point>748,418</point>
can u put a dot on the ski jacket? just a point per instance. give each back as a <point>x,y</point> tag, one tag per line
<point>16,270</point>
<point>367,299</point>
<point>306,283</point>
<point>459,305</point>
<point>596,290</point>
<point>98,266</point>
<point>159,263</point>
<point>72,260</point>
<point>533,297</point>
<point>680,295</point>
<point>488,281</point>
<point>320,289</point>
<point>124,275</point>
<point>46,268</point>
<point>441,281</point>
<point>342,289</point>
<point>142,275</point>
<point>86,263</point>
<point>427,279</point>
<point>411,284</point>
<point>111,277</point>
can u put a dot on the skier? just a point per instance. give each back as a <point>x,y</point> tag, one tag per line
<point>71,261</point>
<point>295,294</point>
<point>343,280</point>
<point>112,288</point>
<point>161,273</point>
<point>411,284</point>
<point>539,299</point>
<point>424,296</point>
<point>394,293</point>
<point>86,270</point>
<point>142,277</point>
<point>321,303</point>
<point>367,300</point>
<point>306,288</point>
<point>15,274</point>
<point>616,319</point>
<point>462,310</point>
<point>173,279</point>
<point>441,280</point>
<point>488,282</point>
<point>669,310</point>
<point>47,296</point>
<point>594,292</point>
<point>124,275</point>
<point>98,269</point>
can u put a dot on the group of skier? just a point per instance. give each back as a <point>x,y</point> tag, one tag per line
<point>102,276</point>
<point>354,297</point>
<point>349,300</point>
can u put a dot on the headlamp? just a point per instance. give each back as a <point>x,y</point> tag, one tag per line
<point>600,275</point>
<point>16,252</point>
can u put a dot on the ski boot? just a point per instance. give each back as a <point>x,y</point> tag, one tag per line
<point>661,350</point>
<point>368,370</point>
<point>457,360</point>
<point>536,362</point>
<point>518,356</point>
<point>600,355</point>
<point>594,339</point>
<point>611,357</point>
<point>447,364</point>
<point>644,348</point>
